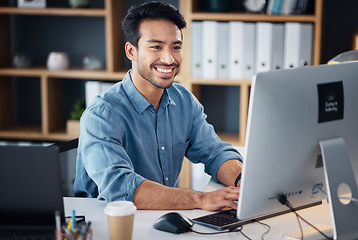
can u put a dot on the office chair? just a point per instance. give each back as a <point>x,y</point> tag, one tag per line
<point>67,164</point>
<point>66,146</point>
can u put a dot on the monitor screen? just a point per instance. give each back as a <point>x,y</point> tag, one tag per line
<point>290,112</point>
<point>31,188</point>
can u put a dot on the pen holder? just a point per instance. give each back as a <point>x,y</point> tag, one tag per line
<point>77,235</point>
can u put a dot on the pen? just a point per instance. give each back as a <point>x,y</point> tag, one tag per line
<point>69,225</point>
<point>73,220</point>
<point>88,226</point>
<point>58,224</point>
<point>87,229</point>
<point>74,229</point>
<point>68,234</point>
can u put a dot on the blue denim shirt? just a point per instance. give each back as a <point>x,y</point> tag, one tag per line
<point>124,140</point>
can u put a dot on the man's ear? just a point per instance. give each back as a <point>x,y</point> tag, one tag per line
<point>131,51</point>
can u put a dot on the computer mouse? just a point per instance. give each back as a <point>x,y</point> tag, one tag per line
<point>173,222</point>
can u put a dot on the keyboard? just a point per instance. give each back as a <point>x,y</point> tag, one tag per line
<point>227,219</point>
<point>221,220</point>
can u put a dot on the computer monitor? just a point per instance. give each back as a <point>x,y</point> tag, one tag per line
<point>31,188</point>
<point>291,113</point>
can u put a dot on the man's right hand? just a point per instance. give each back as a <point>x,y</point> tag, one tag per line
<point>225,197</point>
<point>154,196</point>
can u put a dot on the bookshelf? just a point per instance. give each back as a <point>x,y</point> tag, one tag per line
<point>52,127</point>
<point>51,84</point>
<point>115,70</point>
<point>190,10</point>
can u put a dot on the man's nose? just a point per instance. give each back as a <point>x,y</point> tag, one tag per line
<point>167,57</point>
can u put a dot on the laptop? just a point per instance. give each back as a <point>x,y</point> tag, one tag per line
<point>31,190</point>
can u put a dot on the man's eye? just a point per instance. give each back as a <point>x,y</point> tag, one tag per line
<point>156,47</point>
<point>177,48</point>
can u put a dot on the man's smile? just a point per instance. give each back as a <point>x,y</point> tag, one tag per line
<point>164,70</point>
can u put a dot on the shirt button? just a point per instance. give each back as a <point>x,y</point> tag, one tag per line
<point>167,179</point>
<point>163,148</point>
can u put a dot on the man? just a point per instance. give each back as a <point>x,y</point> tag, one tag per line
<point>135,135</point>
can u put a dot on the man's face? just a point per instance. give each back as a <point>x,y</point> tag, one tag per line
<point>159,52</point>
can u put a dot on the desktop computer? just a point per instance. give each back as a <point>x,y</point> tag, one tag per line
<point>301,142</point>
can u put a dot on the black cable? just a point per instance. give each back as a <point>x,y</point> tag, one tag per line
<point>298,216</point>
<point>288,204</point>
<point>236,229</point>
<point>243,234</point>
<point>266,225</point>
<point>283,200</point>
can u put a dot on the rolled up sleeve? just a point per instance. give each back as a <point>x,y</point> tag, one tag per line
<point>104,158</point>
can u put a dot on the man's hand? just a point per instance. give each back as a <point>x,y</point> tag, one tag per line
<point>218,199</point>
<point>152,195</point>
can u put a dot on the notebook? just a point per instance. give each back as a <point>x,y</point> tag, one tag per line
<point>31,189</point>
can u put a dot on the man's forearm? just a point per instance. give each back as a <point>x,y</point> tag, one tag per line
<point>152,195</point>
<point>229,171</point>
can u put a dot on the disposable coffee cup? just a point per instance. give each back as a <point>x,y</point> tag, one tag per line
<point>120,217</point>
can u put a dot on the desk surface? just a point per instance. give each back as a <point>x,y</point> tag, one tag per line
<point>93,209</point>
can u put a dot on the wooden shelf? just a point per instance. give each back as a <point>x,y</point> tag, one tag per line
<point>51,82</point>
<point>34,133</point>
<point>84,12</point>
<point>220,82</point>
<point>68,73</point>
<point>202,16</point>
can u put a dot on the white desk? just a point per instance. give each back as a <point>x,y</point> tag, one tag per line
<point>144,220</point>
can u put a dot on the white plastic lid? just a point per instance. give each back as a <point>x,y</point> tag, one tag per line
<point>120,208</point>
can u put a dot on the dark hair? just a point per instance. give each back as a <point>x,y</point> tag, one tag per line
<point>149,10</point>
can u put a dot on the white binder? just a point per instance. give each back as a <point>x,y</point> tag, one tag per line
<point>236,46</point>
<point>223,50</point>
<point>306,44</point>
<point>209,50</point>
<point>196,49</point>
<point>94,88</point>
<point>277,46</point>
<point>249,50</point>
<point>292,44</point>
<point>263,46</point>
<point>298,44</point>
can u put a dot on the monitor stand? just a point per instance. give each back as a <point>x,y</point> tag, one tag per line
<point>340,179</point>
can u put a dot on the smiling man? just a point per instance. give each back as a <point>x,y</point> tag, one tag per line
<point>156,59</point>
<point>135,135</point>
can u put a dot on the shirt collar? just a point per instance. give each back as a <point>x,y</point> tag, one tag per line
<point>166,99</point>
<point>136,98</point>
